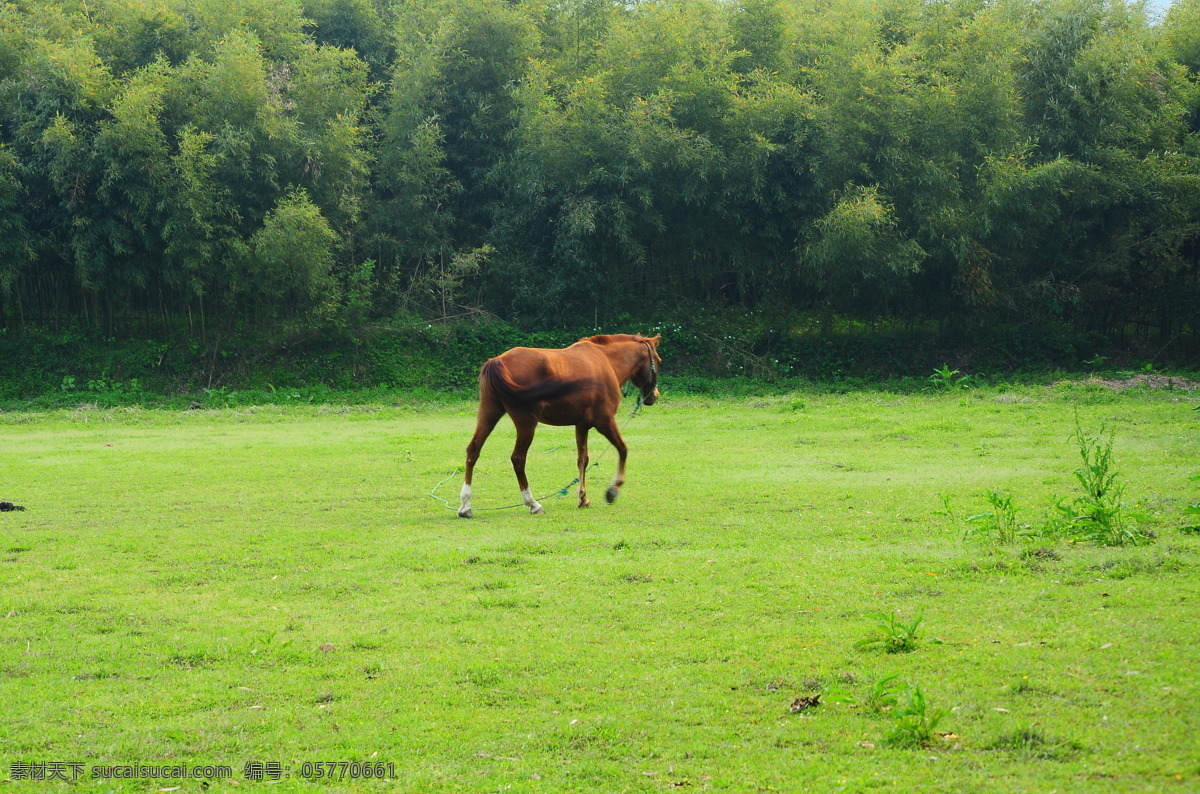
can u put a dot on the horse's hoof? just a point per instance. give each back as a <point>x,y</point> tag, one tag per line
<point>585,502</point>
<point>537,508</point>
<point>465,513</point>
<point>611,494</point>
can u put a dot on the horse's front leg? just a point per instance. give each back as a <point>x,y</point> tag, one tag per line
<point>581,434</point>
<point>525,428</point>
<point>609,430</point>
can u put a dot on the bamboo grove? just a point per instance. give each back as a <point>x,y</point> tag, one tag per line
<point>203,166</point>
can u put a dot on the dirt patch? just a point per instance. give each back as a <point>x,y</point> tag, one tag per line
<point>1149,380</point>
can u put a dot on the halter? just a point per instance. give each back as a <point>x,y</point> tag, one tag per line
<point>653,372</point>
<point>653,366</point>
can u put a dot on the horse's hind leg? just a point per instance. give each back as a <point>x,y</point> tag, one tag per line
<point>609,430</point>
<point>526,425</point>
<point>581,434</point>
<point>490,412</point>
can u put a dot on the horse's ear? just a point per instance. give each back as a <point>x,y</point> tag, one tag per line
<point>654,340</point>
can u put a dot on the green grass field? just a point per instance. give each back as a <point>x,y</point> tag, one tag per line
<point>272,584</point>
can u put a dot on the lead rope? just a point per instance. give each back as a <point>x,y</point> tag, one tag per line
<point>561,492</point>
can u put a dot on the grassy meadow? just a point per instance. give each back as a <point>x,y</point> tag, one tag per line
<point>271,583</point>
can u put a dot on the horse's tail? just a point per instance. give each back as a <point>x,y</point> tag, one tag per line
<point>495,376</point>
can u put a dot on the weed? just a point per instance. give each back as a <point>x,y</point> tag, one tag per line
<point>1098,516</point>
<point>1021,686</point>
<point>94,675</point>
<point>884,695</point>
<point>894,635</point>
<point>1192,510</point>
<point>998,525</point>
<point>1030,742</point>
<point>880,698</point>
<point>914,722</point>
<point>193,660</point>
<point>1125,568</point>
<point>481,677</point>
<point>946,379</point>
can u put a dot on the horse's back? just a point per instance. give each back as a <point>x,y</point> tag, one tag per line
<point>529,365</point>
<point>566,381</point>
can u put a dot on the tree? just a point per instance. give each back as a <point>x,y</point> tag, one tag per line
<point>286,270</point>
<point>858,258</point>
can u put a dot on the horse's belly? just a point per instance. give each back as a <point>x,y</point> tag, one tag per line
<point>561,415</point>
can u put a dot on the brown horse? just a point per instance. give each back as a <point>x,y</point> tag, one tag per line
<point>579,385</point>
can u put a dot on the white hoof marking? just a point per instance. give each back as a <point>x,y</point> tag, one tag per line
<point>530,502</point>
<point>464,511</point>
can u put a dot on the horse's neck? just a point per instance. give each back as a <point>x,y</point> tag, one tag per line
<point>624,359</point>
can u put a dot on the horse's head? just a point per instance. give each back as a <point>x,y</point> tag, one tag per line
<point>645,377</point>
